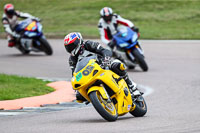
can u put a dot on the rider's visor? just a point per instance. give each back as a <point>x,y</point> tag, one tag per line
<point>107,18</point>
<point>70,47</point>
<point>10,12</point>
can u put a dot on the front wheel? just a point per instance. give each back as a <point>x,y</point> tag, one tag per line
<point>141,107</point>
<point>140,59</point>
<point>23,50</point>
<point>46,46</point>
<point>106,109</point>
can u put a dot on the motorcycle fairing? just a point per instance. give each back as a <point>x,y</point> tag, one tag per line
<point>100,89</point>
<point>84,83</point>
<point>126,40</point>
<point>31,28</point>
<point>22,25</point>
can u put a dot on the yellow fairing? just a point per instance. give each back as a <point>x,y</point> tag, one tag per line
<point>124,102</point>
<point>99,89</point>
<point>84,80</point>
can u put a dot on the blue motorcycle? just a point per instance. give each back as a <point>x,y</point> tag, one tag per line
<point>126,41</point>
<point>32,38</point>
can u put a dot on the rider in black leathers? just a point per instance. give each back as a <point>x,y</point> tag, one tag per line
<point>77,47</point>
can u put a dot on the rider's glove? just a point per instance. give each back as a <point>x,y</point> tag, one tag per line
<point>107,61</point>
<point>135,29</point>
<point>36,19</point>
<point>111,44</point>
<point>16,35</point>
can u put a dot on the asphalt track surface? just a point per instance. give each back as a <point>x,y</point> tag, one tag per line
<point>174,105</point>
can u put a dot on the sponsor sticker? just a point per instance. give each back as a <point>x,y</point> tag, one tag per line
<point>102,74</point>
<point>88,70</point>
<point>73,36</point>
<point>129,106</point>
<point>78,76</point>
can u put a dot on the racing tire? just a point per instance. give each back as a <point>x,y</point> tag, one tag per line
<point>140,109</point>
<point>23,51</point>
<point>46,46</point>
<point>99,104</point>
<point>140,59</point>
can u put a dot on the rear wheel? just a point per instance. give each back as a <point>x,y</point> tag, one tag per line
<point>140,59</point>
<point>141,107</point>
<point>46,46</point>
<point>106,109</point>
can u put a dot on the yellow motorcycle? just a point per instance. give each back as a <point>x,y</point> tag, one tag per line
<point>107,91</point>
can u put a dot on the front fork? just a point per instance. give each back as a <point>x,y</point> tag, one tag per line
<point>130,55</point>
<point>138,47</point>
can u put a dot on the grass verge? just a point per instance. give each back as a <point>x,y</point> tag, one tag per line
<point>14,87</point>
<point>156,19</point>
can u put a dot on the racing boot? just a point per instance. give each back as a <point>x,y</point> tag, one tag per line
<point>120,69</point>
<point>80,98</point>
<point>11,43</point>
<point>132,87</point>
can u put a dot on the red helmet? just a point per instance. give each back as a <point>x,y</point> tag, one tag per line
<point>106,13</point>
<point>73,42</point>
<point>9,10</point>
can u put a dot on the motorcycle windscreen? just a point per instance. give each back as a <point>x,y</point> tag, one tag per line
<point>83,62</point>
<point>126,40</point>
<point>123,37</point>
<point>22,25</point>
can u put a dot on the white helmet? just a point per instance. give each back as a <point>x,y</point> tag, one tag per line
<point>106,13</point>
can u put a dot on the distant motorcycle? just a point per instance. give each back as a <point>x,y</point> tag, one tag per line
<point>126,41</point>
<point>32,38</point>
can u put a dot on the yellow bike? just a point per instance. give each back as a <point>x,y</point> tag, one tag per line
<point>107,91</point>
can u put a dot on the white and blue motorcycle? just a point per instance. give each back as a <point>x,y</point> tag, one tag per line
<point>128,47</point>
<point>32,37</point>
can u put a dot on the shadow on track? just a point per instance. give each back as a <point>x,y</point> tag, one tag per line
<point>135,70</point>
<point>101,120</point>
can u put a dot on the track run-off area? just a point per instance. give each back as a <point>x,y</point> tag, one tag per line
<point>171,86</point>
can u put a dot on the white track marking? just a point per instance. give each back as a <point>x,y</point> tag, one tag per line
<point>147,90</point>
<point>10,113</point>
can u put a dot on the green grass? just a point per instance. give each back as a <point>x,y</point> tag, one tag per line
<point>157,19</point>
<point>14,87</point>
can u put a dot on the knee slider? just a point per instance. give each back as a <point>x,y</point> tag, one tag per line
<point>122,67</point>
<point>119,68</point>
